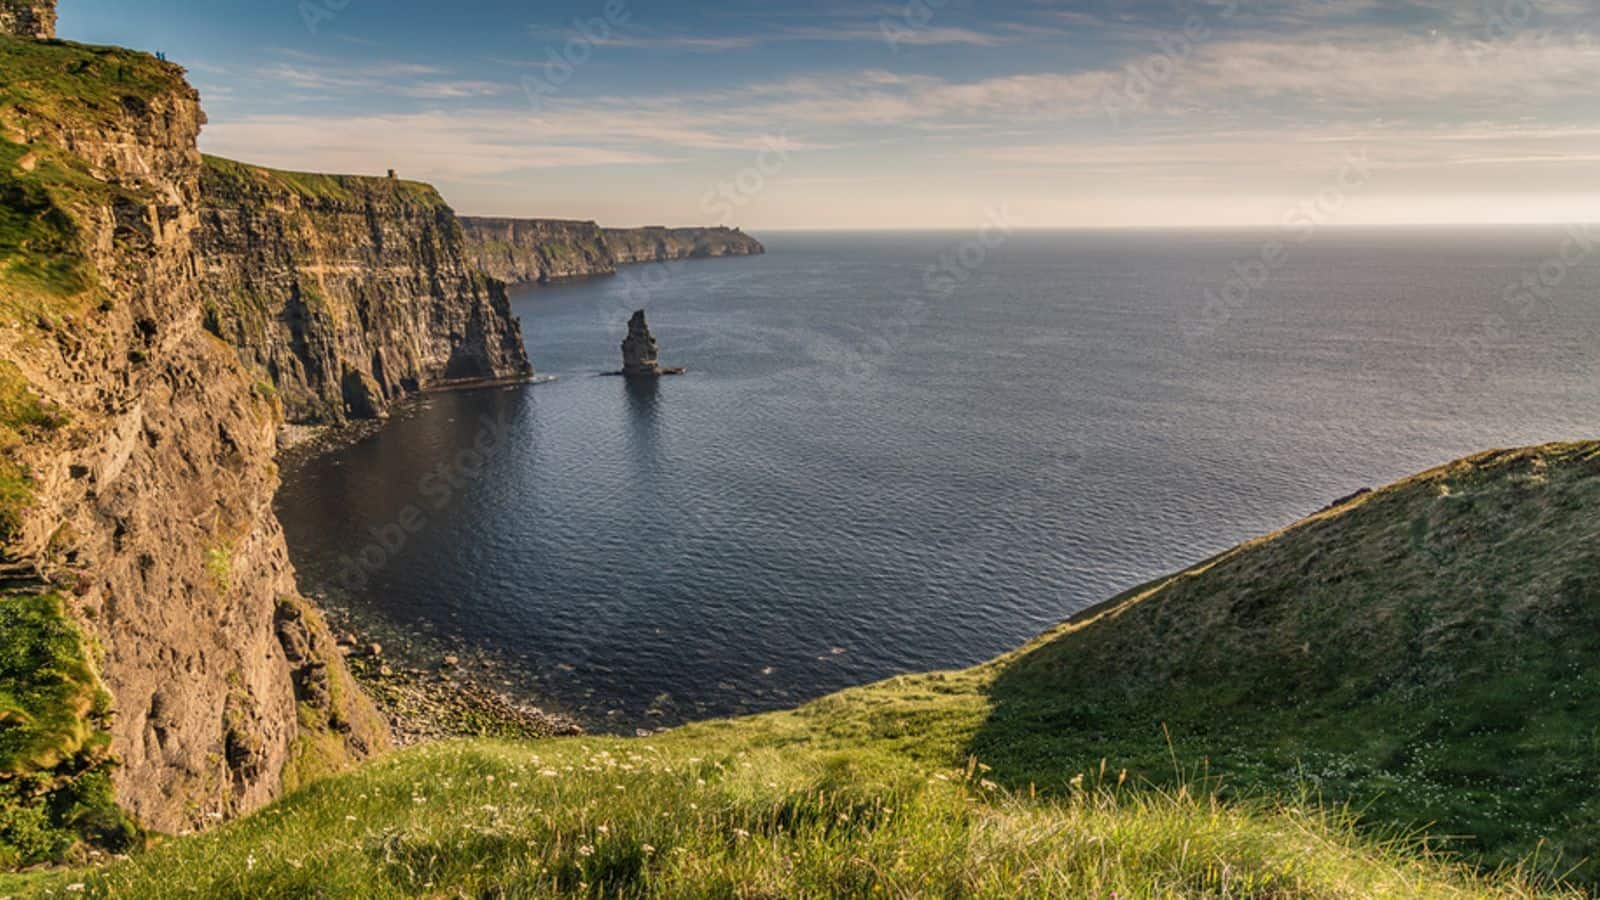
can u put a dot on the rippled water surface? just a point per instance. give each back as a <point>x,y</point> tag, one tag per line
<point>866,474</point>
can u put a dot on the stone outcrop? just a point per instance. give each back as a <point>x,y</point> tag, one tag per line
<point>640,354</point>
<point>347,293</point>
<point>540,251</point>
<point>28,18</point>
<point>137,450</point>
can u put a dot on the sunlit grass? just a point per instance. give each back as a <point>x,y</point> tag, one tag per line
<point>647,818</point>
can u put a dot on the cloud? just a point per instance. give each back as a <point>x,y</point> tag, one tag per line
<point>425,145</point>
<point>453,90</point>
<point>889,31</point>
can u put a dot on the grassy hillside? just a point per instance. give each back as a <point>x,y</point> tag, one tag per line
<point>1425,654</point>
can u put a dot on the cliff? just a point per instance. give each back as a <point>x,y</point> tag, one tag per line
<point>642,245</point>
<point>157,653</point>
<point>347,293</point>
<point>539,251</point>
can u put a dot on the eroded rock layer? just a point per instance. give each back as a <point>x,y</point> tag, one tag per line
<point>136,451</point>
<point>347,293</point>
<point>538,251</point>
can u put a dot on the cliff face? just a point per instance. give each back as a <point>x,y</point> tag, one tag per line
<point>137,474</point>
<point>347,293</point>
<point>539,251</point>
<point>641,245</point>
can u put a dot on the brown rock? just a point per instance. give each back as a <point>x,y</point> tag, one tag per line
<point>639,349</point>
<point>28,18</point>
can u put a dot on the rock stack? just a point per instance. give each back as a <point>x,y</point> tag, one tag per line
<point>640,351</point>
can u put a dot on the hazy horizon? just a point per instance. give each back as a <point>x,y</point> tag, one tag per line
<point>940,114</point>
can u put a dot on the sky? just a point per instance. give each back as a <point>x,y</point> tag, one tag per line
<point>926,114</point>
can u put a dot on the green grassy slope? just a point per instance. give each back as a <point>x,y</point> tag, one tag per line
<point>672,818</point>
<point>1431,652</point>
<point>1425,653</point>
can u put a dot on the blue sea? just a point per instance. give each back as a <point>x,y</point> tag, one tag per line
<point>904,452</point>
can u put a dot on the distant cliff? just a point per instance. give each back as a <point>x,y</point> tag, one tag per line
<point>347,293</point>
<point>539,251</point>
<point>526,251</point>
<point>641,245</point>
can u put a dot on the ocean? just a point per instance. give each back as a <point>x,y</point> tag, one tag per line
<point>904,452</point>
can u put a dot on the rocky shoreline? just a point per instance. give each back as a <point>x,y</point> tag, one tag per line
<point>425,705</point>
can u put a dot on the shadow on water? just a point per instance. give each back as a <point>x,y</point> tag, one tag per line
<point>644,430</point>
<point>644,395</point>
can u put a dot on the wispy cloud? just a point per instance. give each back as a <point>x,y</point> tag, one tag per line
<point>423,145</point>
<point>659,39</point>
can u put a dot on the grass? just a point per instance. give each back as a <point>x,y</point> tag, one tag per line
<point>78,84</point>
<point>225,178</point>
<point>55,789</point>
<point>219,567</point>
<point>1287,719</point>
<point>1443,677</point>
<point>656,818</point>
<point>50,87</point>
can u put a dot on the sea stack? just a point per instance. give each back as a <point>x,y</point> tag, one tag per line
<point>639,350</point>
